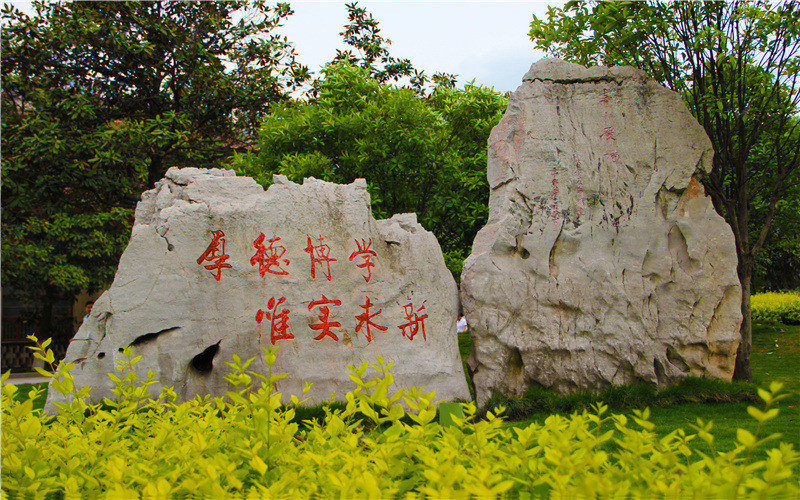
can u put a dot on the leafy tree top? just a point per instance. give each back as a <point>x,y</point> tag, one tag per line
<point>99,99</point>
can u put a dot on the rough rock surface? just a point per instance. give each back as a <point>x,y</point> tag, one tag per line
<point>186,308</point>
<point>602,262</point>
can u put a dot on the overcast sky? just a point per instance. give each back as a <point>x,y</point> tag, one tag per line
<point>484,41</point>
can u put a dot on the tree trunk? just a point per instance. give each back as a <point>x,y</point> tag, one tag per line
<point>741,370</point>
<point>154,171</point>
<point>46,314</point>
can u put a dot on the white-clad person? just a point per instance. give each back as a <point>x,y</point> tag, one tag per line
<point>461,324</point>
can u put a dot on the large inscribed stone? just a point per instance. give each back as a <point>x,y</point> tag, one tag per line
<point>602,262</point>
<point>217,266</point>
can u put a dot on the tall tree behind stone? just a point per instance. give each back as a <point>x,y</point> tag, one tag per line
<point>737,66</point>
<point>422,155</point>
<point>190,74</point>
<point>367,49</point>
<point>98,99</point>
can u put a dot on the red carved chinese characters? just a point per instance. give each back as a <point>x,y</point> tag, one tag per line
<point>325,326</point>
<point>579,182</point>
<point>414,322</point>
<point>365,319</point>
<point>554,213</point>
<point>320,254</point>
<point>609,137</point>
<point>507,150</point>
<point>608,134</point>
<point>365,253</point>
<point>211,255</point>
<point>269,257</point>
<point>278,328</point>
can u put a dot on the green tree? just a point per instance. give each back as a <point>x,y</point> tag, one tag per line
<point>418,154</point>
<point>367,49</point>
<point>777,265</point>
<point>98,99</point>
<point>736,65</point>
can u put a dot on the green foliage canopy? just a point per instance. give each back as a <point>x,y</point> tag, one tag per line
<point>369,50</point>
<point>99,99</point>
<point>418,154</point>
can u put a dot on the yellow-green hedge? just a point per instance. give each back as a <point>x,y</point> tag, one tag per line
<point>773,307</point>
<point>247,445</point>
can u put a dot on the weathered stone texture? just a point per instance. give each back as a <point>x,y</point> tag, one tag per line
<point>602,262</point>
<point>167,304</point>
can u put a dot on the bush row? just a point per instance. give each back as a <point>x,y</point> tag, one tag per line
<point>378,445</point>
<point>774,307</point>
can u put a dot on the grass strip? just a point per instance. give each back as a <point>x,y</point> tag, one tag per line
<point>538,399</point>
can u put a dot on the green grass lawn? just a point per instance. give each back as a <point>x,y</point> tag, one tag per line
<point>775,357</point>
<point>24,391</point>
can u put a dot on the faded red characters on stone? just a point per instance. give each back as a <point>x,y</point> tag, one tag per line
<point>554,212</point>
<point>364,319</point>
<point>211,255</point>
<point>320,254</point>
<point>365,253</point>
<point>269,257</point>
<point>608,133</point>
<point>414,322</point>
<point>278,327</point>
<point>604,97</point>
<point>499,140</point>
<point>325,326</point>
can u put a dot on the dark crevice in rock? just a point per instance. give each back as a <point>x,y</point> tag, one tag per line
<point>515,366</point>
<point>659,369</point>
<point>675,358</point>
<point>553,264</point>
<point>101,355</point>
<point>204,362</point>
<point>102,320</point>
<point>141,339</point>
<point>568,309</point>
<point>520,249</point>
<point>569,81</point>
<point>530,208</point>
<point>504,182</point>
<point>170,246</point>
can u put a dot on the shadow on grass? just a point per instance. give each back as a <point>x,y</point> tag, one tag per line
<point>623,397</point>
